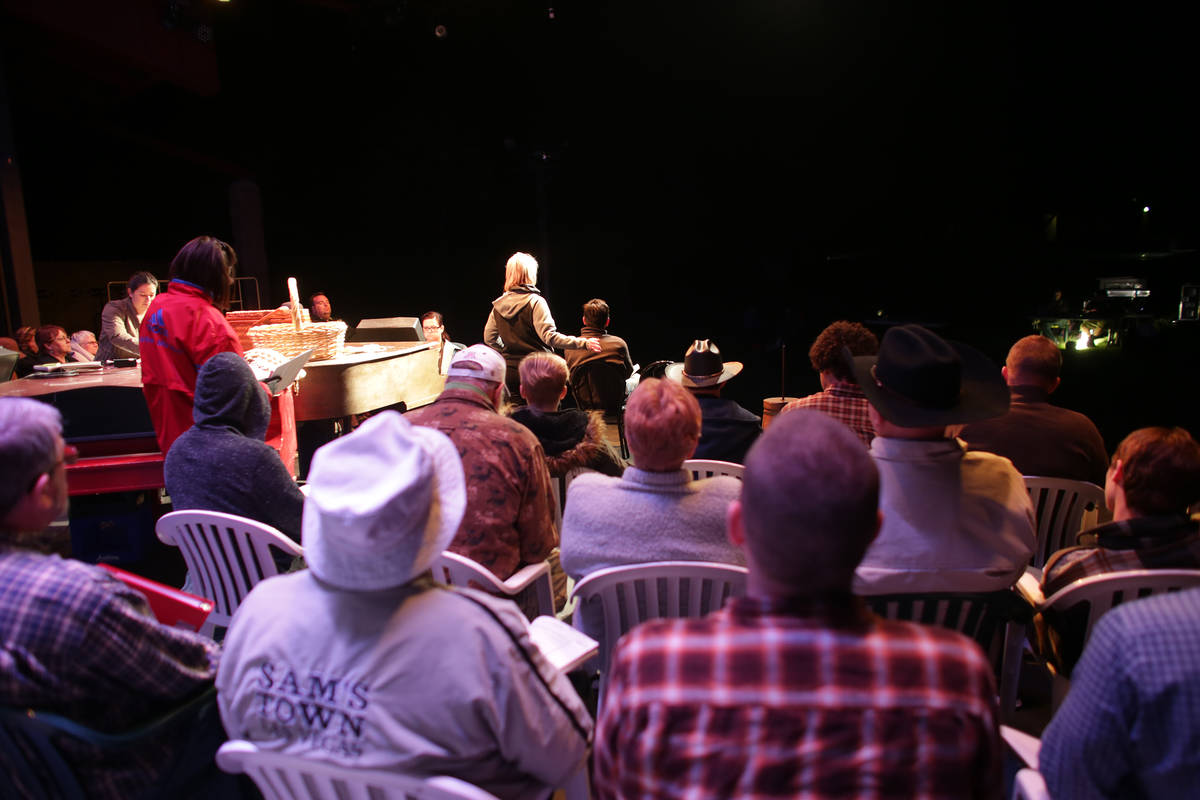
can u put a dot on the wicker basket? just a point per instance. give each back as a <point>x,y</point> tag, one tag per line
<point>242,321</point>
<point>325,339</point>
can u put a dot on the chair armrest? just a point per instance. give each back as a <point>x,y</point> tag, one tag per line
<point>231,757</point>
<point>1023,745</point>
<point>525,576</point>
<point>1029,586</point>
<point>1030,785</point>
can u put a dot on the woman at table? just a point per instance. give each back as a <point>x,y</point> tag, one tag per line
<point>54,346</point>
<point>183,328</point>
<point>26,337</point>
<point>433,326</point>
<point>121,319</point>
<point>520,322</point>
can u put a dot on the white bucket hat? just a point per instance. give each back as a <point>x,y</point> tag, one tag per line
<point>383,502</point>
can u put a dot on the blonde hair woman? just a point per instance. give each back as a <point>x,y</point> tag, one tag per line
<point>521,323</point>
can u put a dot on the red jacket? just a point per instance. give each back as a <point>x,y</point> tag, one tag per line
<point>182,329</point>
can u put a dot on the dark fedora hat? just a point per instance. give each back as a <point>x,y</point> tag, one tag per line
<point>702,366</point>
<point>920,379</point>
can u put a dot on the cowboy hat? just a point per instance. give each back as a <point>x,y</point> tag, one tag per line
<point>702,366</point>
<point>919,379</point>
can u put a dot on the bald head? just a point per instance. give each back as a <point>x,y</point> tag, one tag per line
<point>1033,361</point>
<point>809,503</point>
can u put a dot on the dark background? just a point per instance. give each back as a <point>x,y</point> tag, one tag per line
<point>743,171</point>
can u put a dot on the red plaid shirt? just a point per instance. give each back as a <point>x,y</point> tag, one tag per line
<point>846,403</point>
<point>767,699</point>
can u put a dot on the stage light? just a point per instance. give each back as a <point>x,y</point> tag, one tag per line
<point>1145,209</point>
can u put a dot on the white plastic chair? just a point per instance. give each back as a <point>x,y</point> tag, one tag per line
<point>286,777</point>
<point>559,487</point>
<point>455,570</point>
<point>1088,599</point>
<point>629,595</point>
<point>996,621</point>
<point>1029,783</point>
<point>225,554</point>
<point>1072,611</point>
<point>711,468</point>
<point>1059,505</point>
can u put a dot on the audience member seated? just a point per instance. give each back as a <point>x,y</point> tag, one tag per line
<point>840,396</point>
<point>1129,727</point>
<point>727,430</point>
<point>1040,439</point>
<point>1153,479</point>
<point>953,521</point>
<point>222,463</point>
<point>364,661</point>
<point>654,511</point>
<point>319,308</point>
<point>509,521</point>
<point>572,439</point>
<point>613,349</point>
<point>84,346</point>
<point>433,327</point>
<point>26,337</point>
<point>54,346</point>
<point>796,689</point>
<point>121,320</point>
<point>73,639</point>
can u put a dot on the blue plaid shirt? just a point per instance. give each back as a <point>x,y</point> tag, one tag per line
<point>1130,726</point>
<point>78,642</point>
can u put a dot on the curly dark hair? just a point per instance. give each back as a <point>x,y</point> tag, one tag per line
<point>826,351</point>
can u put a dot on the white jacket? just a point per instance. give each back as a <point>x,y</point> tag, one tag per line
<point>421,679</point>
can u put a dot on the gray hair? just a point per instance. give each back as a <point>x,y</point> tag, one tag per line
<point>29,434</point>
<point>809,500</point>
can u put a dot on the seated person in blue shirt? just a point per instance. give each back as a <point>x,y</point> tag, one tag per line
<point>1130,726</point>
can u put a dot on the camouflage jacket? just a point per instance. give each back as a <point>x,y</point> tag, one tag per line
<point>509,520</point>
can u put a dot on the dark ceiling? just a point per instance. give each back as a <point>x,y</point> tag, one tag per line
<point>746,156</point>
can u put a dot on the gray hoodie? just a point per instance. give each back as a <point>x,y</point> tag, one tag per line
<point>222,462</point>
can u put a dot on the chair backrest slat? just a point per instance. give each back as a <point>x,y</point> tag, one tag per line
<point>710,468</point>
<point>630,595</point>
<point>995,621</point>
<point>225,554</point>
<point>1059,505</point>
<point>1074,610</point>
